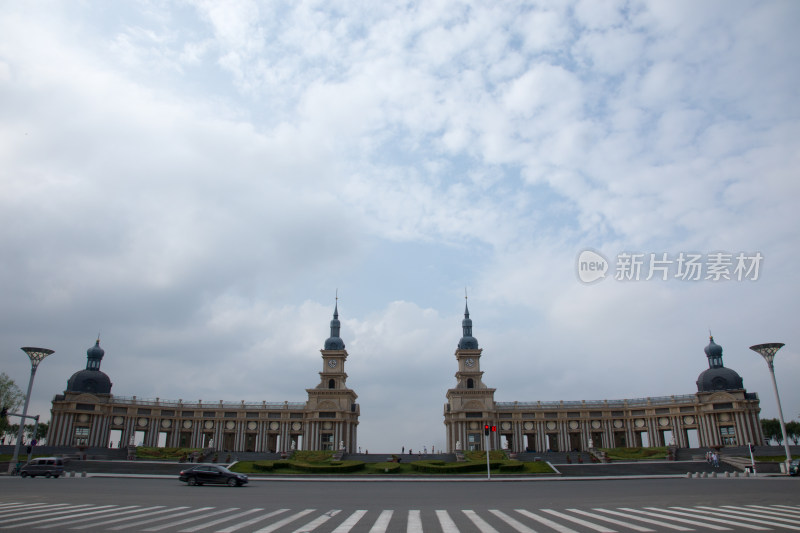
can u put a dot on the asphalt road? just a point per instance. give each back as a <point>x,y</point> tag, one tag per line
<point>136,504</point>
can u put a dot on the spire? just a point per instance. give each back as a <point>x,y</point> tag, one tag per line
<point>334,342</point>
<point>467,342</point>
<point>713,352</point>
<point>94,355</point>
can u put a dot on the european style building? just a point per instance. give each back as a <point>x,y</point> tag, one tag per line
<point>720,413</point>
<point>87,414</point>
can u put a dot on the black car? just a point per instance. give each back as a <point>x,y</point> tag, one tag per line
<point>200,474</point>
<point>794,467</point>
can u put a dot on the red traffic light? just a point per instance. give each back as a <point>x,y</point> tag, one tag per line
<point>494,428</point>
<point>486,429</point>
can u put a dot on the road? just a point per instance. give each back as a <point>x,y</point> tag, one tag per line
<point>136,504</point>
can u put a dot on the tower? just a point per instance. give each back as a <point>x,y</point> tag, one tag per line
<point>332,411</point>
<point>470,404</point>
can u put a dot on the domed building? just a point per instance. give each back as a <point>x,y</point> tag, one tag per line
<point>720,413</point>
<point>87,414</point>
<point>91,379</point>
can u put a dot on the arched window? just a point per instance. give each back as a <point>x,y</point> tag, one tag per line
<point>331,384</point>
<point>470,384</point>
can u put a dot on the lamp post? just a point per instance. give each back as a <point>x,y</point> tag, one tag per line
<point>768,352</point>
<point>36,355</point>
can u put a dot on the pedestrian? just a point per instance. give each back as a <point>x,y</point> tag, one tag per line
<point>403,450</point>
<point>715,459</point>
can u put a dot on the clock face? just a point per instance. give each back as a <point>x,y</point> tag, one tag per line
<point>332,363</point>
<point>470,362</point>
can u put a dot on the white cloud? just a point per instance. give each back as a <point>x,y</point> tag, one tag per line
<point>194,181</point>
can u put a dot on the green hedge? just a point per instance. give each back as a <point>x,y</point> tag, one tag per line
<point>385,468</point>
<point>335,467</point>
<point>439,467</point>
<point>512,466</point>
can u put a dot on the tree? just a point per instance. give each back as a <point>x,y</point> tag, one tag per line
<point>772,429</point>
<point>11,398</point>
<point>793,431</point>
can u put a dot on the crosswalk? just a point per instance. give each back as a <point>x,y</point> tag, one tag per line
<point>26,516</point>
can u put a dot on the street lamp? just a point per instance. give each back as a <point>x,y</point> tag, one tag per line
<point>768,352</point>
<point>36,355</point>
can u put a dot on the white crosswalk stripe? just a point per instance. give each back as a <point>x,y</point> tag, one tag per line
<point>18,516</point>
<point>658,513</point>
<point>350,522</point>
<point>445,522</point>
<point>382,522</point>
<point>213,523</point>
<point>479,522</point>
<point>752,516</point>
<point>414,522</point>
<point>191,519</point>
<point>614,521</point>
<point>590,525</point>
<point>516,524</point>
<point>660,523</point>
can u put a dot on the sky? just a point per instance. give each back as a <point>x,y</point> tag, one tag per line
<point>196,181</point>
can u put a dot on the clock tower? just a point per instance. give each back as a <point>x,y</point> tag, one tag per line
<point>470,404</point>
<point>332,408</point>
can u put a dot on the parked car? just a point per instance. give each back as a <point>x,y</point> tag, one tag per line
<point>43,466</point>
<point>794,467</point>
<point>201,474</point>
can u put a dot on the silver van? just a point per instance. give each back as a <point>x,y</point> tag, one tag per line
<point>43,466</point>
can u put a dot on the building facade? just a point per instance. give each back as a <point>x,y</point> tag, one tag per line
<point>720,413</point>
<point>87,414</point>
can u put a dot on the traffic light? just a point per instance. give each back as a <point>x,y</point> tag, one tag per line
<point>494,428</point>
<point>486,429</point>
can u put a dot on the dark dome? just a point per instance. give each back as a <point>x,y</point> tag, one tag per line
<point>713,349</point>
<point>720,378</point>
<point>334,343</point>
<point>468,343</point>
<point>93,381</point>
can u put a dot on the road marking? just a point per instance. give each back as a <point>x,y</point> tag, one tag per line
<point>314,524</point>
<point>763,509</point>
<point>645,520</point>
<point>448,526</point>
<point>219,521</point>
<point>545,521</point>
<point>612,520</point>
<point>106,522</point>
<point>414,522</point>
<point>698,513</point>
<point>70,509</point>
<point>287,520</point>
<point>479,522</point>
<point>102,509</point>
<point>655,512</point>
<point>580,522</point>
<point>752,516</point>
<point>35,508</point>
<point>516,524</point>
<point>382,522</point>
<point>351,521</point>
<point>252,521</point>
<point>192,519</point>
<point>151,520</point>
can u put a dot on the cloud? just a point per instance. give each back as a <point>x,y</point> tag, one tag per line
<point>196,182</point>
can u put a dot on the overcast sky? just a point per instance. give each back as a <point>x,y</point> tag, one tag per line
<point>194,180</point>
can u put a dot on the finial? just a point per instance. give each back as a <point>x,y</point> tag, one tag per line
<point>710,336</point>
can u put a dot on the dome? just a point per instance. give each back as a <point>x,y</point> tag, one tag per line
<point>334,343</point>
<point>93,381</point>
<point>719,378</point>
<point>713,349</point>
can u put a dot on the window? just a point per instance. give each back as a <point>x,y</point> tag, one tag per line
<point>331,383</point>
<point>85,407</point>
<point>728,434</point>
<point>143,411</point>
<point>208,414</point>
<point>81,436</point>
<point>230,414</point>
<point>470,384</point>
<point>187,414</point>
